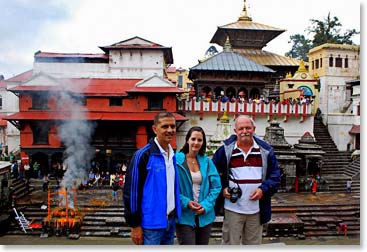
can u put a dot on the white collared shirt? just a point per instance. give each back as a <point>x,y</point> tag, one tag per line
<point>170,175</point>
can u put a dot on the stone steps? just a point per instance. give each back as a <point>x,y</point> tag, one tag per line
<point>335,163</point>
<point>109,221</point>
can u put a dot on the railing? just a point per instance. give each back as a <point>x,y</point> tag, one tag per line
<point>270,109</point>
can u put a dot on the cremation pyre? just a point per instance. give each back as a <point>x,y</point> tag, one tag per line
<point>62,220</point>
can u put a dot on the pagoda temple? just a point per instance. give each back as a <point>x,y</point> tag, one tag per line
<point>247,39</point>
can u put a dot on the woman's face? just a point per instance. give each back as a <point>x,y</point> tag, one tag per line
<point>195,141</point>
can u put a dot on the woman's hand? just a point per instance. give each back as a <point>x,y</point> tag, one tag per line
<point>195,206</point>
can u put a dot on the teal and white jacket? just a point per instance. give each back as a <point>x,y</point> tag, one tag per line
<point>209,190</point>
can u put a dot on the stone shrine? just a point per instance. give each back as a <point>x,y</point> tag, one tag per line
<point>311,156</point>
<point>222,132</point>
<point>287,159</point>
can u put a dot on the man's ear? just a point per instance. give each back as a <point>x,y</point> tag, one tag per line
<point>154,128</point>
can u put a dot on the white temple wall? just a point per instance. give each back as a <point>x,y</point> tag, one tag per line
<point>293,128</point>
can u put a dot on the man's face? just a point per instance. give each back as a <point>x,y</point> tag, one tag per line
<point>244,129</point>
<point>165,130</point>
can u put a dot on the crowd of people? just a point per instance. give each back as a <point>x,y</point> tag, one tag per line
<point>258,99</point>
<point>169,193</point>
<point>97,180</point>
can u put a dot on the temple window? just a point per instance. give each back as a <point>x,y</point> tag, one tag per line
<point>155,102</point>
<point>346,63</point>
<point>39,101</point>
<point>115,102</point>
<point>338,62</point>
<point>40,132</point>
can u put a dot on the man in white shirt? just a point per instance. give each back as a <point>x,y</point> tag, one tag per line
<point>250,175</point>
<point>151,193</point>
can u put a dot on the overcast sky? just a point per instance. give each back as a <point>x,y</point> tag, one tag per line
<point>80,26</point>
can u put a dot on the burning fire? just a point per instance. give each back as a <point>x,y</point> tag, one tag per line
<point>62,219</point>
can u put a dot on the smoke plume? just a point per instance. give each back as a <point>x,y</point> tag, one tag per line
<point>76,135</point>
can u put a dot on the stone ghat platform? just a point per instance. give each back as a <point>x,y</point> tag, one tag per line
<point>301,215</point>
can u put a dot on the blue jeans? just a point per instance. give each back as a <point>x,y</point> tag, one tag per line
<point>164,236</point>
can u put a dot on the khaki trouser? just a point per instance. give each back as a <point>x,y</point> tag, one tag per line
<point>241,227</point>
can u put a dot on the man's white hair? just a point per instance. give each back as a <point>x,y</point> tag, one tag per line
<point>245,116</point>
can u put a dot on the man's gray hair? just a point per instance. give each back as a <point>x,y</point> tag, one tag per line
<point>248,117</point>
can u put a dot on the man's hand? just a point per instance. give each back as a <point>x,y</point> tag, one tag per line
<point>257,194</point>
<point>226,193</point>
<point>137,235</point>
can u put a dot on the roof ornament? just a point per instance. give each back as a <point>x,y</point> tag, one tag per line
<point>224,118</point>
<point>289,75</point>
<point>227,45</point>
<point>244,15</point>
<point>302,67</point>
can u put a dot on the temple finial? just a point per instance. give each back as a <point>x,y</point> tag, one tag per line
<point>224,118</point>
<point>302,67</point>
<point>227,45</point>
<point>244,15</point>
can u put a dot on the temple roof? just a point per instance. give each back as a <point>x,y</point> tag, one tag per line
<point>231,61</point>
<point>267,58</point>
<point>244,33</point>
<point>137,43</point>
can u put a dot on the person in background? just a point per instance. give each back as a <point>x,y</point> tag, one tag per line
<point>199,188</point>
<point>36,169</point>
<point>45,183</point>
<point>107,179</point>
<point>27,170</point>
<point>151,193</point>
<point>14,169</point>
<point>349,185</point>
<point>112,178</point>
<point>250,175</point>
<point>91,178</point>
<point>115,192</point>
<point>97,178</point>
<point>21,170</point>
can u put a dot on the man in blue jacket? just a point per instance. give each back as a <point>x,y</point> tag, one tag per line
<point>250,175</point>
<point>151,192</point>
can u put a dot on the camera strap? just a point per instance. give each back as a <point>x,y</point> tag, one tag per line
<point>230,178</point>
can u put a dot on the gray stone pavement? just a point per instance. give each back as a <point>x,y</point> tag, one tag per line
<point>114,241</point>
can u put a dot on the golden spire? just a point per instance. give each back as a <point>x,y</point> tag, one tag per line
<point>224,118</point>
<point>302,67</point>
<point>244,15</point>
<point>288,76</point>
<point>227,45</point>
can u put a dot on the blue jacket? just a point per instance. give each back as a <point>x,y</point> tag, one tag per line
<point>271,173</point>
<point>209,190</point>
<point>145,190</point>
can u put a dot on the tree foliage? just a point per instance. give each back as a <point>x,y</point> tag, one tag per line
<point>300,47</point>
<point>322,31</point>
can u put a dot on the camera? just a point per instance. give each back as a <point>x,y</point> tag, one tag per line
<point>235,193</point>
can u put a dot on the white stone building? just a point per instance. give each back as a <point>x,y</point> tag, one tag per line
<point>336,66</point>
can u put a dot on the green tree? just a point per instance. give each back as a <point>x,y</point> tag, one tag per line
<point>300,47</point>
<point>322,31</point>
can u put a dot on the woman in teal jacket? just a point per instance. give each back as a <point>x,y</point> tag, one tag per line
<point>199,188</point>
